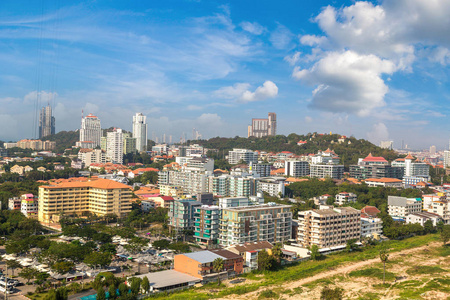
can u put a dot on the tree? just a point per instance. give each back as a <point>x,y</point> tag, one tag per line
<point>440,226</point>
<point>101,295</point>
<point>264,260</point>
<point>218,267</point>
<point>277,253</point>
<point>28,273</point>
<point>328,293</point>
<point>314,252</point>
<point>112,292</point>
<point>428,226</point>
<point>75,287</point>
<point>351,245</point>
<point>63,267</point>
<point>384,256</point>
<point>145,285</point>
<point>161,244</point>
<point>108,248</point>
<point>135,285</point>
<point>95,259</point>
<point>123,289</point>
<point>13,264</point>
<point>445,234</point>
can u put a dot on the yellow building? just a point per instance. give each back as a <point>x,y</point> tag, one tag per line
<point>96,196</point>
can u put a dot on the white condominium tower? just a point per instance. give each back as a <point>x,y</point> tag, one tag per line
<point>140,131</point>
<point>114,146</point>
<point>91,130</point>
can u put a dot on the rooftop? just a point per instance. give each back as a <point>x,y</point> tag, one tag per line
<point>167,278</point>
<point>93,183</point>
<point>203,257</point>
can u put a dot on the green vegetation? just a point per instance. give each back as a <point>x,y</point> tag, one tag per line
<point>431,270</point>
<point>16,189</point>
<point>328,293</point>
<point>268,294</point>
<point>373,273</point>
<point>349,153</point>
<point>63,139</point>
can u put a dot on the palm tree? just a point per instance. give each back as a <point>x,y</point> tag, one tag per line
<point>218,267</point>
<point>384,256</point>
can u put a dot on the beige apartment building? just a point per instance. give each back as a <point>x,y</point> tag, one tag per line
<point>96,196</point>
<point>266,222</point>
<point>328,227</point>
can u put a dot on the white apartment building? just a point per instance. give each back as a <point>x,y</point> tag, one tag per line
<point>371,227</point>
<point>227,202</point>
<point>91,130</point>
<point>114,146</point>
<point>140,131</point>
<point>328,227</point>
<point>345,197</point>
<point>412,167</point>
<point>401,206</point>
<point>260,169</point>
<point>326,171</point>
<point>422,217</point>
<point>160,149</point>
<point>384,182</point>
<point>446,159</point>
<point>296,168</point>
<point>441,208</point>
<point>235,156</point>
<point>92,156</point>
<point>274,186</point>
<point>325,157</point>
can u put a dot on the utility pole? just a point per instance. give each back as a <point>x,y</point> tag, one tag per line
<point>6,283</point>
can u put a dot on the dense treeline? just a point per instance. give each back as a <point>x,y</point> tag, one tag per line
<point>374,196</point>
<point>63,139</point>
<point>349,152</point>
<point>15,189</point>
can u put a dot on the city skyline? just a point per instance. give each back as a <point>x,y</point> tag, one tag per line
<point>364,68</point>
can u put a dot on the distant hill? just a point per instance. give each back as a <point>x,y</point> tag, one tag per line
<point>349,152</point>
<point>63,139</point>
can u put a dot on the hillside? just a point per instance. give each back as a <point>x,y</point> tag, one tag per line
<point>63,139</point>
<point>349,152</point>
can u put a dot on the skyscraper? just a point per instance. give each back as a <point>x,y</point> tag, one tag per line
<point>46,122</point>
<point>114,146</point>
<point>140,131</point>
<point>91,130</point>
<point>263,127</point>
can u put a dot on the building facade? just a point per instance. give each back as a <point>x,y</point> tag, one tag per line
<point>326,171</point>
<point>296,168</point>
<point>263,127</point>
<point>401,206</point>
<point>344,197</point>
<point>46,122</point>
<point>266,222</point>
<point>91,130</point>
<point>96,196</point>
<point>328,227</point>
<point>140,131</point>
<point>206,224</point>
<point>181,214</point>
<point>114,146</point>
<point>249,156</point>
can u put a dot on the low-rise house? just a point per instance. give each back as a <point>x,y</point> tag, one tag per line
<point>344,197</point>
<point>422,217</point>
<point>384,182</point>
<point>400,207</point>
<point>249,251</point>
<point>200,264</point>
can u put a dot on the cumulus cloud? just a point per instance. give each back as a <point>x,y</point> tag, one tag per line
<point>347,82</point>
<point>241,92</point>
<point>292,60</point>
<point>254,28</point>
<point>378,133</point>
<point>281,37</point>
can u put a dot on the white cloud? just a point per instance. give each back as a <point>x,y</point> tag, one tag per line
<point>308,119</point>
<point>241,92</point>
<point>347,82</point>
<point>292,60</point>
<point>378,133</point>
<point>281,37</point>
<point>254,28</point>
<point>312,40</point>
<point>209,119</point>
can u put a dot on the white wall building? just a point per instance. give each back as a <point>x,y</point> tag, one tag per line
<point>326,171</point>
<point>91,130</point>
<point>114,152</point>
<point>296,168</point>
<point>246,155</point>
<point>140,131</point>
<point>402,206</point>
<point>371,227</point>
<point>422,217</point>
<point>92,156</point>
<point>274,186</point>
<point>345,197</point>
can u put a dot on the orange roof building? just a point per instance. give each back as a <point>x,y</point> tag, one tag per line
<point>81,197</point>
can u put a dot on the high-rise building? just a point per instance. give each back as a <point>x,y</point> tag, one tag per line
<point>387,145</point>
<point>433,150</point>
<point>46,122</point>
<point>114,146</point>
<point>140,131</point>
<point>246,155</point>
<point>263,127</point>
<point>91,130</point>
<point>446,158</point>
<point>129,143</point>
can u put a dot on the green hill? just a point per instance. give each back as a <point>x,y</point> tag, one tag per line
<point>349,151</point>
<point>63,139</point>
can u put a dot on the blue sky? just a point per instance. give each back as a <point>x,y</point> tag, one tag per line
<point>375,70</point>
